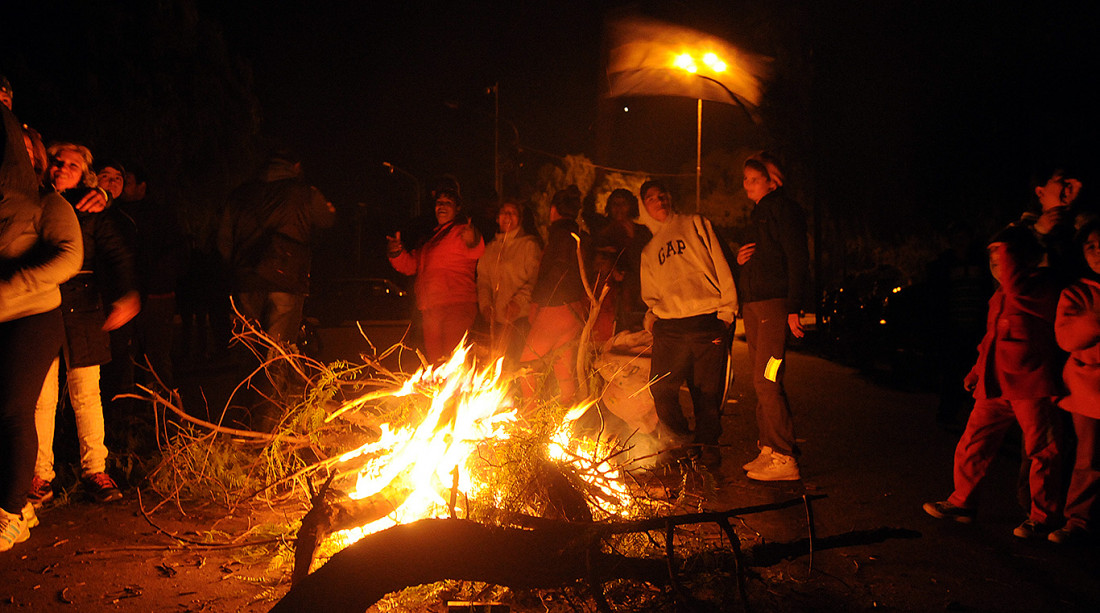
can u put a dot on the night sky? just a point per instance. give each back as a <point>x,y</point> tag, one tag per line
<point>891,111</point>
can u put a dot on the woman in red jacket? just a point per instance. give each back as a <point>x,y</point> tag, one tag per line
<point>1077,328</point>
<point>444,265</point>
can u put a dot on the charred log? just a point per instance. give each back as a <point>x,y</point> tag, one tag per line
<point>436,549</point>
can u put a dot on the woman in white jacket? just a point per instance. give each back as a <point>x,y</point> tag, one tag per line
<point>505,275</point>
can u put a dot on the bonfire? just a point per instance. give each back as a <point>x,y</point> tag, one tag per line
<point>377,458</point>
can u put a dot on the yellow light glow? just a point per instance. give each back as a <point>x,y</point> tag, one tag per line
<point>684,61</point>
<point>715,64</point>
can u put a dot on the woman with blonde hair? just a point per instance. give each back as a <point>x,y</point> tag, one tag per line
<point>87,344</point>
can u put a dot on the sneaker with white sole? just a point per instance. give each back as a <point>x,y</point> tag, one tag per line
<point>13,529</point>
<point>1031,529</point>
<point>41,491</point>
<point>102,487</point>
<point>761,460</point>
<point>946,510</point>
<point>779,468</point>
<point>1071,534</point>
<point>29,516</point>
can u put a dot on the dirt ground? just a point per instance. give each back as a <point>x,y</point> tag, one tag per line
<point>875,453</point>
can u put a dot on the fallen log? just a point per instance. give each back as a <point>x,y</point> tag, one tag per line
<point>432,550</point>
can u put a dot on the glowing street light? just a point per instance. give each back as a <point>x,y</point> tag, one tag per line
<point>714,64</point>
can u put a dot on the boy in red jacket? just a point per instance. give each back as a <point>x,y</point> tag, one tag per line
<point>1016,377</point>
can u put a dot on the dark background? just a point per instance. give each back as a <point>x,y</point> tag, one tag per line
<point>896,118</point>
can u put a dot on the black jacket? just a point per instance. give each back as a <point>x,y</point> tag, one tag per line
<point>779,267</point>
<point>559,279</point>
<point>106,274</point>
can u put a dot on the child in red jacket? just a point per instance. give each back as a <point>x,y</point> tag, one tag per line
<point>1077,328</point>
<point>1015,380</point>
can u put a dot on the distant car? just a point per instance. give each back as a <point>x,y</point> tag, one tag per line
<point>344,301</point>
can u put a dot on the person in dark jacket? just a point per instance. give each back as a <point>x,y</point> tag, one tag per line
<point>84,300</point>
<point>559,301</point>
<point>773,270</point>
<point>265,237</point>
<point>160,255</point>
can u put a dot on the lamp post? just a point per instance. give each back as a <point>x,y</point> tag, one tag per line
<point>416,182</point>
<point>714,64</point>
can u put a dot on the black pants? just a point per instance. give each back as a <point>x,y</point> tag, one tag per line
<point>693,349</point>
<point>27,347</point>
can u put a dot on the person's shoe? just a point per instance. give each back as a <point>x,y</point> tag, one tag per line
<point>102,487</point>
<point>779,468</point>
<point>41,491</point>
<point>711,457</point>
<point>13,529</point>
<point>1070,535</point>
<point>1030,529</point>
<point>761,460</point>
<point>946,510</point>
<point>29,515</point>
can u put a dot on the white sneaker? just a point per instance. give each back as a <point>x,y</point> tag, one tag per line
<point>13,529</point>
<point>761,460</point>
<point>29,515</point>
<point>779,468</point>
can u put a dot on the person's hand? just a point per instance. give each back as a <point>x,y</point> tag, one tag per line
<point>470,235</point>
<point>648,321</point>
<point>745,252</point>
<point>511,310</point>
<point>970,383</point>
<point>1051,219</point>
<point>393,245</point>
<point>122,310</point>
<point>794,322</point>
<point>92,202</point>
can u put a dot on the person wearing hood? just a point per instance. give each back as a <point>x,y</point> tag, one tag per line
<point>265,236</point>
<point>40,248</point>
<point>688,288</point>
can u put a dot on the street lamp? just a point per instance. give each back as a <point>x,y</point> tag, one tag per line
<point>710,63</point>
<point>416,182</point>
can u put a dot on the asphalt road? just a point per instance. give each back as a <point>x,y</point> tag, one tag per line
<point>878,454</point>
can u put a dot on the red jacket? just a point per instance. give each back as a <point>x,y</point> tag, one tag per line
<point>444,268</point>
<point>1078,331</point>
<point>1018,358</point>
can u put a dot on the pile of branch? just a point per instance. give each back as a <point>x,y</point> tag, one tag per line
<point>537,554</point>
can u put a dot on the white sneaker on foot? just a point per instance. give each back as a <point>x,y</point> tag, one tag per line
<point>761,460</point>
<point>13,529</point>
<point>779,468</point>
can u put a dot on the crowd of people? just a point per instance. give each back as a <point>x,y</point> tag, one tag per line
<point>92,269</point>
<point>673,278</point>
<point>1038,366</point>
<point>89,273</point>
